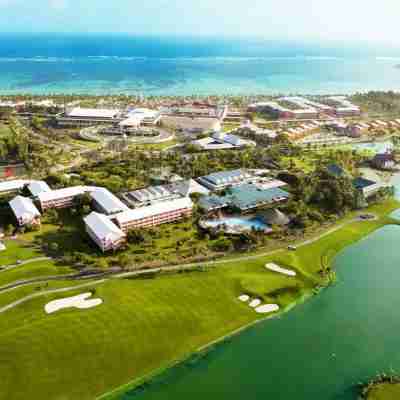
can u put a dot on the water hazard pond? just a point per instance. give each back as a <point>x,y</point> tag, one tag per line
<point>320,350</point>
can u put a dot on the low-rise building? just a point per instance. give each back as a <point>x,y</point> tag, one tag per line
<point>344,107</point>
<point>156,214</point>
<point>384,161</point>
<point>244,198</point>
<point>7,187</point>
<point>106,202</point>
<point>36,187</point>
<point>221,180</point>
<point>222,141</point>
<point>25,211</point>
<point>367,187</point>
<point>81,117</point>
<point>60,198</point>
<point>104,232</point>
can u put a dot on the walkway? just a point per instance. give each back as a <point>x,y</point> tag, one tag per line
<point>35,295</point>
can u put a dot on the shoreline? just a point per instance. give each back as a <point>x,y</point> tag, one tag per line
<point>199,353</point>
<point>147,380</point>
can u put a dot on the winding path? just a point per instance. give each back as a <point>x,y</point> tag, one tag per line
<point>60,290</point>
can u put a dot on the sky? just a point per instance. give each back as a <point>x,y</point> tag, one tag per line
<point>365,20</point>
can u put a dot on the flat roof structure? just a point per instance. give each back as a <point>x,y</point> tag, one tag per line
<point>153,210</point>
<point>78,112</point>
<point>108,202</point>
<point>220,180</point>
<point>37,187</point>
<point>24,209</point>
<point>188,187</point>
<point>249,196</point>
<point>58,194</point>
<point>244,197</point>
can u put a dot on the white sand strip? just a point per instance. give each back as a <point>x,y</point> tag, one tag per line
<point>244,298</point>
<point>255,303</point>
<point>277,268</point>
<point>267,308</point>
<point>80,301</point>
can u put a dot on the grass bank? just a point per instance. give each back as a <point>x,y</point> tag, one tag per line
<point>147,324</point>
<point>384,391</point>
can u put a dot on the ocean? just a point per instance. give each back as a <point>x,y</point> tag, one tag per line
<point>116,64</point>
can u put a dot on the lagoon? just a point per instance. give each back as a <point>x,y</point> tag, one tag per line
<point>319,350</point>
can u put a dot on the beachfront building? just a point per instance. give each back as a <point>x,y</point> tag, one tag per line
<point>222,141</point>
<point>104,232</point>
<point>106,202</point>
<point>197,111</point>
<point>83,117</point>
<point>25,211</point>
<point>343,107</point>
<point>153,215</point>
<point>60,198</point>
<point>287,110</point>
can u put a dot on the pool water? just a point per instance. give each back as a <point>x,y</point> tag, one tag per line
<point>241,223</point>
<point>381,147</point>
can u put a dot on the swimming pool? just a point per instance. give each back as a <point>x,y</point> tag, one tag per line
<point>378,147</point>
<point>238,223</point>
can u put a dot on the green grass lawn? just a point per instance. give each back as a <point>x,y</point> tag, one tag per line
<point>385,391</point>
<point>33,270</point>
<point>146,324</point>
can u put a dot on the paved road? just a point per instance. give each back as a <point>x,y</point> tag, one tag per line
<point>22,263</point>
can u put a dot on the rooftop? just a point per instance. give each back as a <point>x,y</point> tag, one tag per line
<point>109,202</point>
<point>24,208</point>
<point>102,227</point>
<point>37,187</point>
<point>78,112</point>
<point>153,210</point>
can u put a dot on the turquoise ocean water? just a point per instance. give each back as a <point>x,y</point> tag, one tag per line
<point>41,64</point>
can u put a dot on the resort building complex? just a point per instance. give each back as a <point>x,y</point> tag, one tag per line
<point>104,232</point>
<point>157,214</point>
<point>60,198</point>
<point>25,211</point>
<point>295,107</point>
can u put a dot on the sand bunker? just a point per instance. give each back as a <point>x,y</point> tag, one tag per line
<point>267,308</point>
<point>255,303</point>
<point>277,268</point>
<point>244,298</point>
<point>80,301</point>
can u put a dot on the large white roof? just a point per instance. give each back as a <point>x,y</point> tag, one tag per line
<point>61,193</point>
<point>16,184</point>
<point>108,201</point>
<point>102,227</point>
<point>153,210</point>
<point>187,187</point>
<point>77,112</point>
<point>24,208</point>
<point>37,187</point>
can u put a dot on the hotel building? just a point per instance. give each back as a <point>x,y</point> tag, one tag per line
<point>156,214</point>
<point>104,232</point>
